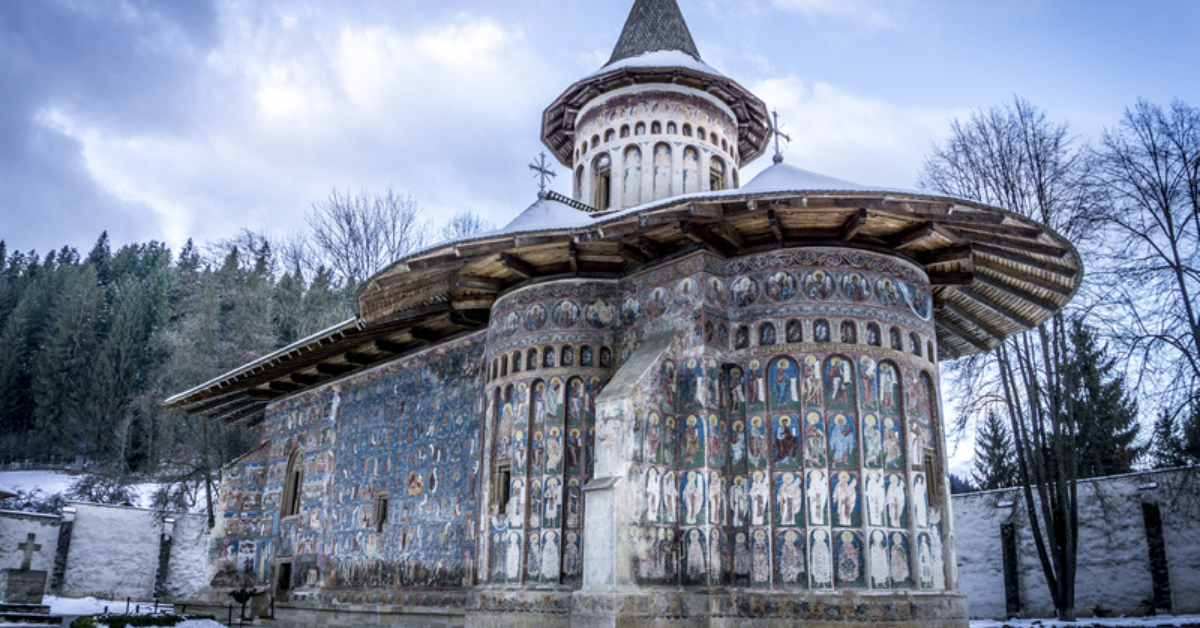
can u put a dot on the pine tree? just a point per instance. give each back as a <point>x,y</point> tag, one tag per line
<point>1176,443</point>
<point>1105,414</point>
<point>995,459</point>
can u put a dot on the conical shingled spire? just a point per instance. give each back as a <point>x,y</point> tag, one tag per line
<point>654,25</point>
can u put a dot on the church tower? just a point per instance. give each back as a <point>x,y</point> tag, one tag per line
<point>656,121</point>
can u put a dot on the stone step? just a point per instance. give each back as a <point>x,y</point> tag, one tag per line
<point>40,619</point>
<point>6,607</point>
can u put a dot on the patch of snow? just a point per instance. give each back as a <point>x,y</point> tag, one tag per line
<point>546,214</point>
<point>782,177</point>
<point>659,59</point>
<point>1088,622</point>
<point>53,481</point>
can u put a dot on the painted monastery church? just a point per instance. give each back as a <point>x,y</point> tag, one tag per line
<point>671,399</point>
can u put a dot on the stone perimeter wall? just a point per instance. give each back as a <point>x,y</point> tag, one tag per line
<point>1115,573</point>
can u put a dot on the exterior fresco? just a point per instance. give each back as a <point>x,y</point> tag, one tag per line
<point>757,459</point>
<point>377,434</point>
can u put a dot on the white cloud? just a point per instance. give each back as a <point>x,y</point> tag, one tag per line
<point>289,107</point>
<point>853,137</point>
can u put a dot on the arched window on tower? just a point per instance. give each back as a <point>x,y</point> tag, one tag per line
<point>602,195</point>
<point>640,129</point>
<point>691,170</point>
<point>713,138</point>
<point>700,133</point>
<point>583,147</point>
<point>610,135</point>
<point>596,140</point>
<point>578,182</point>
<point>655,127</point>
<point>716,175</point>
<point>631,191</point>
<point>293,480</point>
<point>531,359</point>
<point>687,130</point>
<point>672,129</point>
<point>624,130</point>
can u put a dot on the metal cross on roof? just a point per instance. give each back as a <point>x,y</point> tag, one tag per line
<point>543,172</point>
<point>777,131</point>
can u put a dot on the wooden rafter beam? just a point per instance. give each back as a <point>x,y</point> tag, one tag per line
<point>730,234</point>
<point>1016,243</point>
<point>479,284</point>
<point>1066,272</point>
<point>776,225</point>
<point>964,335</point>
<point>689,232</point>
<point>283,387</point>
<point>328,368</point>
<point>1019,293</point>
<point>967,317</point>
<point>573,256</point>
<point>385,345</point>
<point>913,236</point>
<point>517,265</point>
<point>955,278</point>
<point>360,358</point>
<point>996,307</point>
<point>853,225</point>
<point>1025,277</point>
<point>632,254</point>
<point>470,318</point>
<point>306,379</point>
<point>958,253</point>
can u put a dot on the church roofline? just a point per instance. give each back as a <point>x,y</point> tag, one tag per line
<point>992,273</point>
<point>654,25</point>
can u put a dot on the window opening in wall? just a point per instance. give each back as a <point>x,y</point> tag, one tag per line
<point>655,127</point>
<point>687,130</point>
<point>724,146</point>
<point>500,490</point>
<point>596,140</point>
<point>503,366</point>
<point>603,182</point>
<point>568,356</point>
<point>873,338</point>
<point>624,130</point>
<point>516,362</point>
<point>585,355</point>
<point>548,357</point>
<point>701,133</point>
<point>640,129</point>
<point>894,336</point>
<point>381,511</point>
<point>716,175</point>
<point>914,344</point>
<point>531,360</point>
<point>671,128</point>
<point>930,352</point>
<point>578,182</point>
<point>293,480</point>
<point>583,147</point>
<point>610,135</point>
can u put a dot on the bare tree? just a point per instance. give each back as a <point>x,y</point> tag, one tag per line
<point>464,224</point>
<point>361,233</point>
<point>1012,156</point>
<point>1150,171</point>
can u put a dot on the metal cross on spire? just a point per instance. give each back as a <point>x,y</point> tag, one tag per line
<point>777,131</point>
<point>542,171</point>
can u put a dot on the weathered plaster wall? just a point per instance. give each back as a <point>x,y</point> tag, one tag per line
<point>114,553</point>
<point>1114,566</point>
<point>15,528</point>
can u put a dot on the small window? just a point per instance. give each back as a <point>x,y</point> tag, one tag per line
<point>584,146</point>
<point>293,484</point>
<point>672,129</point>
<point>503,367</point>
<point>700,133</point>
<point>655,127</point>
<point>381,511</point>
<point>516,362</point>
<point>531,360</point>
<point>894,337</point>
<point>585,355</point>
<point>603,181</point>
<point>713,138</point>
<point>624,130</point>
<point>930,353</point>
<point>640,129</point>
<point>596,140</point>
<point>724,146</point>
<point>716,175</point>
<point>548,357</point>
<point>914,344</point>
<point>502,490</point>
<point>605,357</point>
<point>687,130</point>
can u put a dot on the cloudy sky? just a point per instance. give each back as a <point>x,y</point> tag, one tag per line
<point>195,118</point>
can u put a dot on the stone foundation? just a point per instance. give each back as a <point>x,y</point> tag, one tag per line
<point>22,586</point>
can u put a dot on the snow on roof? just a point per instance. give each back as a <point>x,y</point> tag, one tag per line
<point>547,214</point>
<point>781,177</point>
<point>659,59</point>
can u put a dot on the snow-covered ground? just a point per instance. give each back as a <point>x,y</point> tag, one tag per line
<point>61,481</point>
<point>1088,622</point>
<point>71,608</point>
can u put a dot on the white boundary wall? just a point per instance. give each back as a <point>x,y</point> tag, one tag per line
<point>1114,571</point>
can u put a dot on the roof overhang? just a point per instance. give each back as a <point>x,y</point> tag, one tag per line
<point>991,272</point>
<point>753,120</point>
